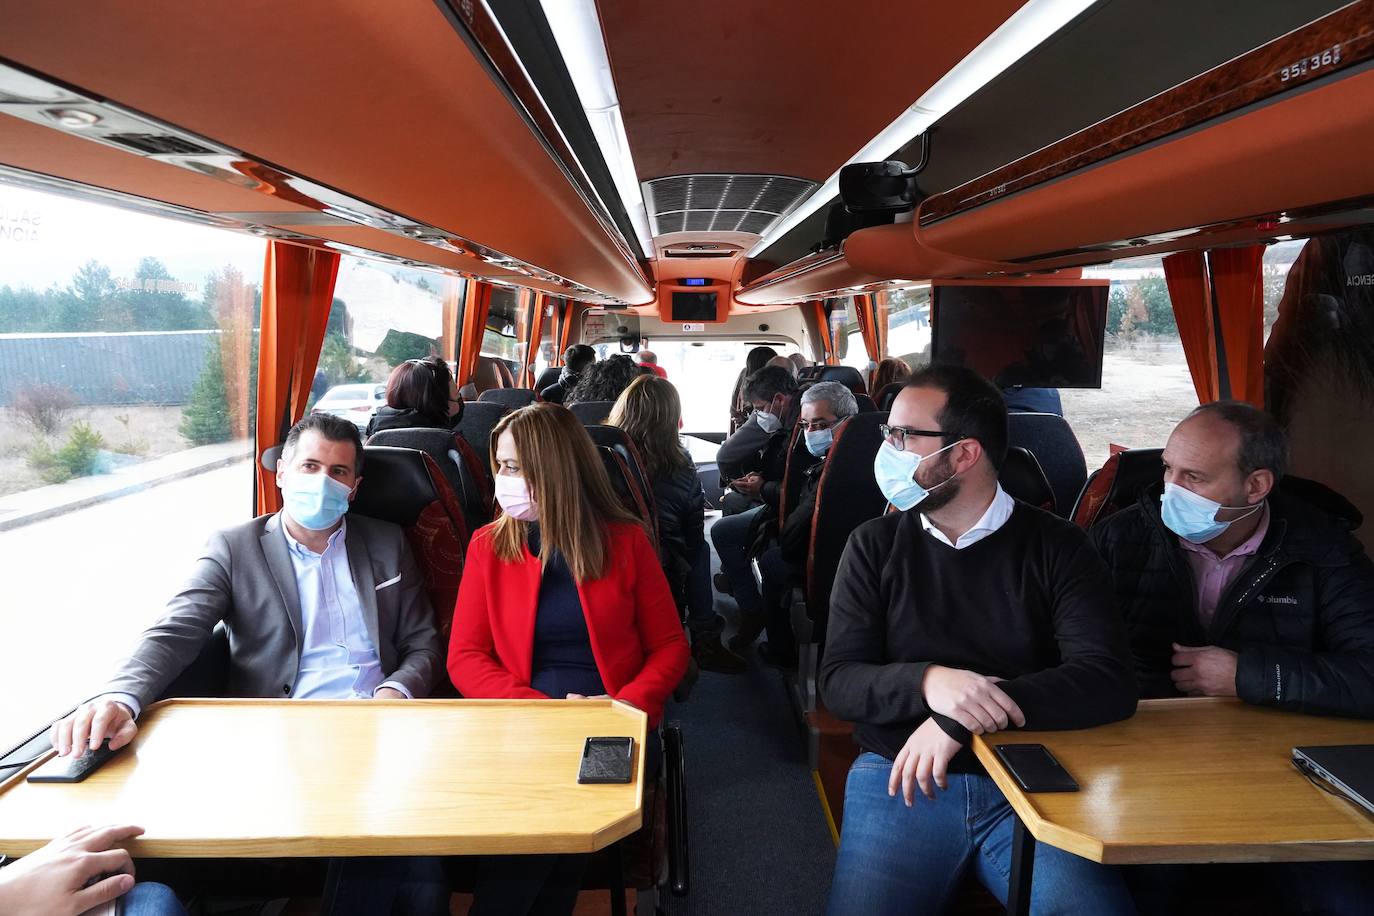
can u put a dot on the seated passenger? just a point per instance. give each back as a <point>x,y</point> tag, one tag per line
<point>562,597</point>
<point>1232,584</point>
<point>650,412</point>
<point>604,381</point>
<point>1033,400</point>
<point>280,582</point>
<point>648,359</point>
<point>889,370</point>
<point>800,361</point>
<point>972,614</point>
<point>753,460</point>
<point>753,362</point>
<point>79,872</point>
<point>824,406</point>
<point>576,359</point>
<point>782,362</point>
<point>419,393</point>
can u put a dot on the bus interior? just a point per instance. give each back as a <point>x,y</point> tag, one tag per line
<point>215,217</point>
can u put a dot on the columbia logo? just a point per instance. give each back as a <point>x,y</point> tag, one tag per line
<point>1278,599</point>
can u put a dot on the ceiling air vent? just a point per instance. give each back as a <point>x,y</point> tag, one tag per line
<point>158,144</point>
<point>722,203</point>
<point>688,253</point>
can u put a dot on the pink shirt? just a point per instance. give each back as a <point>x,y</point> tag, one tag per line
<point>1212,574</point>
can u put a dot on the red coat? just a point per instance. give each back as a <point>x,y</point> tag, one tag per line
<point>637,640</point>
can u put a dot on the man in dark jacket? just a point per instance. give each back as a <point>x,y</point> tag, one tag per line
<point>1231,587</point>
<point>1240,582</point>
<point>576,359</point>
<point>824,407</point>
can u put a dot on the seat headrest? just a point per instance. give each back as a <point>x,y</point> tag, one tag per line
<point>591,413</point>
<point>1023,478</point>
<point>514,398</point>
<point>847,376</point>
<point>396,485</point>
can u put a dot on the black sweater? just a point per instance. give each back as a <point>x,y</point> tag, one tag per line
<point>1030,603</point>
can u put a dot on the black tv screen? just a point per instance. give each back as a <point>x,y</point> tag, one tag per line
<point>694,307</point>
<point>1031,336</point>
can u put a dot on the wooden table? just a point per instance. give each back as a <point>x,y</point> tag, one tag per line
<point>1185,780</point>
<point>272,778</point>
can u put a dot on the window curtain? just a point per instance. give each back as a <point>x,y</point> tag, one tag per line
<point>537,317</point>
<point>453,308</point>
<point>297,292</point>
<point>1218,301</point>
<point>870,310</point>
<point>476,306</point>
<point>813,312</point>
<point>1185,274</point>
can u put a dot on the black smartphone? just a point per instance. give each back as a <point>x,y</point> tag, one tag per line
<point>73,769</point>
<point>607,760</point>
<point>1035,768</point>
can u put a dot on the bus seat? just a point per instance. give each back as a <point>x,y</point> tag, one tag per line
<point>798,460</point>
<point>457,460</point>
<point>513,398</point>
<point>591,413</point>
<point>889,394</point>
<point>1051,440</point>
<point>548,377</point>
<point>479,419</point>
<point>629,483</point>
<point>613,437</point>
<point>865,403</point>
<point>490,373</point>
<point>405,486</point>
<point>208,674</point>
<point>809,373</point>
<point>846,497</point>
<point>1023,478</point>
<point>847,376</point>
<point>1117,484</point>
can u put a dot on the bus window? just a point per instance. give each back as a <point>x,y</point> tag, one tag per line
<point>908,326</point>
<point>128,348</point>
<point>705,372</point>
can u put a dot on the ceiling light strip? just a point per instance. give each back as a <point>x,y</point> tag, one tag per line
<point>1025,30</point>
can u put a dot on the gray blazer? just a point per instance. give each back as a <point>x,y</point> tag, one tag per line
<point>245,578</point>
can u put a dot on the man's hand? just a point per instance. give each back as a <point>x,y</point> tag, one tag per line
<point>1205,671</point>
<point>388,693</point>
<point>51,881</point>
<point>923,760</point>
<point>969,698</point>
<point>91,723</point>
<point>749,485</point>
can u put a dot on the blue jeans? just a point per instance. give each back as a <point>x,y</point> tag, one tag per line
<point>701,598</point>
<point>386,886</point>
<point>895,859</point>
<point>732,536</point>
<point>150,899</point>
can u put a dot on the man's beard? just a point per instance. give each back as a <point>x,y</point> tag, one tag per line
<point>946,492</point>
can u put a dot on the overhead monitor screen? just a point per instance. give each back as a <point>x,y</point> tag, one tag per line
<point>1033,336</point>
<point>694,307</point>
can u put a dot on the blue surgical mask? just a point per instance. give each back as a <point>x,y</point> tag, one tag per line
<point>768,422</point>
<point>315,501</point>
<point>895,471</point>
<point>1193,516</point>
<point>818,441</point>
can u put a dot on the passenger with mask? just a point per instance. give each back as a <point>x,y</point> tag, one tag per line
<point>562,597</point>
<point>1239,582</point>
<point>576,359</point>
<point>753,461</point>
<point>824,408</point>
<point>964,613</point>
<point>309,569</point>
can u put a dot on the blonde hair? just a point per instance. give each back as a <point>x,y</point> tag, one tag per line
<point>569,485</point>
<point>650,412</point>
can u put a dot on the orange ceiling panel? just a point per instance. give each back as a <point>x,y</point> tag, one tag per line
<point>792,88</point>
<point>381,100</point>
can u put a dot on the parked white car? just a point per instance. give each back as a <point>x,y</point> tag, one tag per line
<point>355,403</point>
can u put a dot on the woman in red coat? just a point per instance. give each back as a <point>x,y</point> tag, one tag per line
<point>562,596</point>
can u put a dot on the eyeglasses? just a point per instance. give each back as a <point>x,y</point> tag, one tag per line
<point>897,435</point>
<point>814,425</point>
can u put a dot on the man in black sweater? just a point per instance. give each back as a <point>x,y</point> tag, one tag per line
<point>972,614</point>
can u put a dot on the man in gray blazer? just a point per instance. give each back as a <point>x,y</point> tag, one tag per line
<point>318,605</point>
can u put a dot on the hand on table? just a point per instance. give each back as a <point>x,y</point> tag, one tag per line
<point>91,723</point>
<point>388,693</point>
<point>51,881</point>
<point>1204,671</point>
<point>923,760</point>
<point>971,699</point>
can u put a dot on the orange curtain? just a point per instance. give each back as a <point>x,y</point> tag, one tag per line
<point>565,330</point>
<point>453,305</point>
<point>536,338</point>
<point>1237,279</point>
<point>871,312</point>
<point>297,292</point>
<point>1190,294</point>
<point>822,325</point>
<point>476,306</point>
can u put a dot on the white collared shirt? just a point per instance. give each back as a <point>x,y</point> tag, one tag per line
<point>998,511</point>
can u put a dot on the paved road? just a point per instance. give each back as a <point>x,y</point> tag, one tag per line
<point>79,588</point>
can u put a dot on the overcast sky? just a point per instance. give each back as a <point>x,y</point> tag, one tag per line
<point>44,238</point>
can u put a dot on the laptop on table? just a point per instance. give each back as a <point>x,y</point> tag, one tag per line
<point>1347,768</point>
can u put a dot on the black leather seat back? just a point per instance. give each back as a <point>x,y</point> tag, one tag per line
<point>846,497</point>
<point>1051,440</point>
<point>469,484</point>
<point>865,403</point>
<point>592,413</point>
<point>809,373</point>
<point>510,398</point>
<point>847,376</point>
<point>889,394</point>
<point>1118,484</point>
<point>1023,479</point>
<point>479,419</point>
<point>208,674</point>
<point>794,472</point>
<point>639,489</point>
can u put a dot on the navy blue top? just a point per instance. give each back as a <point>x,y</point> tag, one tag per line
<point>563,660</point>
<point>1033,400</point>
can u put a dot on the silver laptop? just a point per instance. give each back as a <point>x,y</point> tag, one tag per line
<point>1347,768</point>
